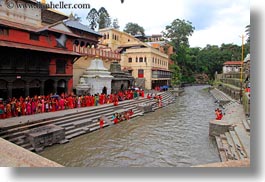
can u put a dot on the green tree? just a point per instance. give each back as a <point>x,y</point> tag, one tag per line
<point>104,20</point>
<point>178,36</point>
<point>115,24</point>
<point>93,18</point>
<point>134,29</point>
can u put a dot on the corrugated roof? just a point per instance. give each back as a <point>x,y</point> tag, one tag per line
<point>80,26</point>
<point>233,63</point>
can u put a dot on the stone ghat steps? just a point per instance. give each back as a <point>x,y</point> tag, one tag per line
<point>16,134</point>
<point>76,124</point>
<point>82,127</point>
<point>233,145</point>
<point>246,124</point>
<point>220,96</point>
<point>51,120</point>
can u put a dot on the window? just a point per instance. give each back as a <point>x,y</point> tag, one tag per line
<point>60,66</point>
<point>145,59</point>
<point>140,73</point>
<point>129,60</point>
<point>141,59</point>
<point>136,59</point>
<point>4,31</point>
<point>33,36</point>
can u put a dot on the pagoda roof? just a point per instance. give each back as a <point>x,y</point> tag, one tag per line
<point>37,48</point>
<point>77,25</point>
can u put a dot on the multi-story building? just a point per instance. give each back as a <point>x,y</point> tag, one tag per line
<point>148,65</point>
<point>38,49</point>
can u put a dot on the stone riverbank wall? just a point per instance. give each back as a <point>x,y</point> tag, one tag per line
<point>232,133</point>
<point>35,132</point>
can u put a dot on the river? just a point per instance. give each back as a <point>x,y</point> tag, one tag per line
<point>174,136</point>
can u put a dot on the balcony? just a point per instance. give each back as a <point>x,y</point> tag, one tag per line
<point>95,52</point>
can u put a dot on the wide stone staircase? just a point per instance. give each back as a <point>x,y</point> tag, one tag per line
<point>234,144</point>
<point>81,122</point>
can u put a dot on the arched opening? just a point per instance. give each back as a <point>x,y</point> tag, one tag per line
<point>88,45</point>
<point>61,87</point>
<point>3,89</point>
<point>122,87</point>
<point>49,87</point>
<point>18,88</point>
<point>76,42</point>
<point>104,90</point>
<point>34,88</point>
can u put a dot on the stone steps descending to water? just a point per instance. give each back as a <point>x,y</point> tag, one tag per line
<point>234,145</point>
<point>75,123</point>
<point>246,124</point>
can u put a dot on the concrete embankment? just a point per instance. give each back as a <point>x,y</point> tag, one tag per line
<point>232,132</point>
<point>15,156</point>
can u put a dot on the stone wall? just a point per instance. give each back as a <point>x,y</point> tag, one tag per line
<point>216,127</point>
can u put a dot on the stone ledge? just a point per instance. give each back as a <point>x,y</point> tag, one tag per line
<point>238,163</point>
<point>12,155</point>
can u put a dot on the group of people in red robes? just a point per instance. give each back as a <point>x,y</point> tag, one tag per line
<point>14,107</point>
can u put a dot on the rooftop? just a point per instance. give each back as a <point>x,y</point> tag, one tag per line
<point>77,25</point>
<point>233,63</point>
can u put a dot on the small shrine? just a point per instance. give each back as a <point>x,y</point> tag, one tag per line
<point>95,80</point>
<point>121,80</point>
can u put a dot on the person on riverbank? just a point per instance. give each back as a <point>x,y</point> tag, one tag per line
<point>2,112</point>
<point>219,114</point>
<point>101,122</point>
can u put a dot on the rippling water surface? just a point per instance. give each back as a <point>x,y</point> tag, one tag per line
<point>174,136</point>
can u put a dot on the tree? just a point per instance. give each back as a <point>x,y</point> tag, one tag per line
<point>178,33</point>
<point>178,36</point>
<point>93,18</point>
<point>104,20</point>
<point>115,24</point>
<point>134,29</point>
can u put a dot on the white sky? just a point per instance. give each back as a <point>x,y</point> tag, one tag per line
<point>215,22</point>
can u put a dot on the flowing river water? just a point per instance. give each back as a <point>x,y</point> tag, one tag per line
<point>174,136</point>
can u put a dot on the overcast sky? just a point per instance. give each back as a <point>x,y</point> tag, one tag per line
<point>215,21</point>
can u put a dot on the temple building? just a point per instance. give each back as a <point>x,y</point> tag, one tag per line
<point>148,65</point>
<point>38,49</point>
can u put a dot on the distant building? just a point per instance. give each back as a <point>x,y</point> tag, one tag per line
<point>148,65</point>
<point>232,66</point>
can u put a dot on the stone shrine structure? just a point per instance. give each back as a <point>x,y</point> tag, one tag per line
<point>121,80</point>
<point>95,80</point>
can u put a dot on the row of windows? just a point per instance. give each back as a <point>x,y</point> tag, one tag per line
<point>4,31</point>
<point>141,59</point>
<point>159,61</point>
<point>114,36</point>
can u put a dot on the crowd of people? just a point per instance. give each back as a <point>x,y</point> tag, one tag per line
<point>15,107</point>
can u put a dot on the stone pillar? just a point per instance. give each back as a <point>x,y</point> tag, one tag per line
<point>42,87</point>
<point>27,89</point>
<point>9,89</point>
<point>55,86</point>
<point>66,87</point>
